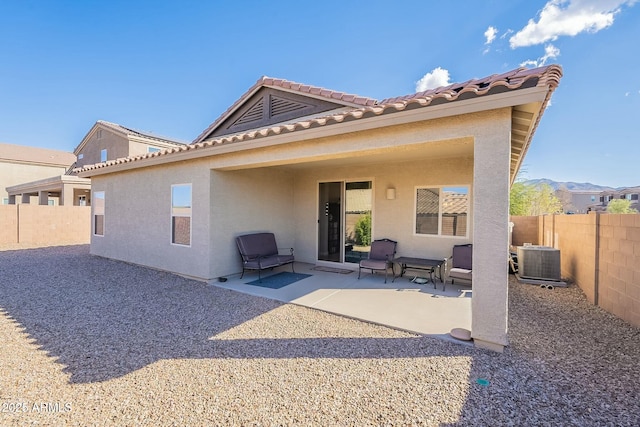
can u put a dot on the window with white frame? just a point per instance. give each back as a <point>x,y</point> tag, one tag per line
<point>98,213</point>
<point>442,211</point>
<point>181,214</point>
<point>103,155</point>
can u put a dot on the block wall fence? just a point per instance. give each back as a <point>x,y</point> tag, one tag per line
<point>44,225</point>
<point>599,252</point>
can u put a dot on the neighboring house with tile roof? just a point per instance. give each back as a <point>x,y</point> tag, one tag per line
<point>20,164</point>
<point>104,141</point>
<point>285,152</point>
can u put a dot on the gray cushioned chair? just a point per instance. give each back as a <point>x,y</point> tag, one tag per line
<point>461,264</point>
<point>259,252</point>
<point>380,256</point>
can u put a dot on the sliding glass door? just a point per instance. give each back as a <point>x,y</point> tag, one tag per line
<point>344,221</point>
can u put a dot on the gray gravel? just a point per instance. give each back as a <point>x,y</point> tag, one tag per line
<point>90,341</point>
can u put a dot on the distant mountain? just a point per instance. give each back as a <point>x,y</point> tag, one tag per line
<point>571,186</point>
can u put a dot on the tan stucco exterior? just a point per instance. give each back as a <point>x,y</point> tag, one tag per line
<point>14,173</point>
<point>272,178</point>
<point>274,187</point>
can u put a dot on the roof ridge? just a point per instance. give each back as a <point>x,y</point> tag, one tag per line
<point>136,132</point>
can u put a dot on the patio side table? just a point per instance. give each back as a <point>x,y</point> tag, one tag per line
<point>422,264</point>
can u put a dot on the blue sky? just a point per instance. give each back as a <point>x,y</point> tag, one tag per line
<point>172,67</point>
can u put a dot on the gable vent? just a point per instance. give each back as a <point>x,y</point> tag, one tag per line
<point>283,106</point>
<point>253,114</point>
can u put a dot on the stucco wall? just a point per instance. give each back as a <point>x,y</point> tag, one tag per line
<point>393,219</point>
<point>247,201</point>
<point>18,173</point>
<point>44,225</point>
<point>117,146</point>
<point>138,218</point>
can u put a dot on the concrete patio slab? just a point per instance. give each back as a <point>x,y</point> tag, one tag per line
<point>402,304</point>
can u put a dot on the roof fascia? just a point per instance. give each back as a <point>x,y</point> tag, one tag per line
<point>483,103</point>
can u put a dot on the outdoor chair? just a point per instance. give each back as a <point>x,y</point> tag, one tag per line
<point>259,252</point>
<point>460,264</point>
<point>380,256</point>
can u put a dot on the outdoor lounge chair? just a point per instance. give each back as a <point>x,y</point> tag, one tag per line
<point>380,256</point>
<point>460,263</point>
<point>259,252</point>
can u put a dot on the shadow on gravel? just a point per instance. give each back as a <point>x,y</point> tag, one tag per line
<point>569,363</point>
<point>102,319</point>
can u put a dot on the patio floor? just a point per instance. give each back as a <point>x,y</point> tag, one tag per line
<point>401,304</point>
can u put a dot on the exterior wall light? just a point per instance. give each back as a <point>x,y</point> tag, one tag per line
<point>391,193</point>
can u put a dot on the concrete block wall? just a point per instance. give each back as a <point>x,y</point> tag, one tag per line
<point>525,230</point>
<point>599,252</point>
<point>619,273</point>
<point>45,225</point>
<point>8,224</point>
<point>575,236</point>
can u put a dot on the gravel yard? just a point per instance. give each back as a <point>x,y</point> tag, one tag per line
<point>90,341</point>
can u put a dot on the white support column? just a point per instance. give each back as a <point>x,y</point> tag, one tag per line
<point>489,318</point>
<point>43,198</point>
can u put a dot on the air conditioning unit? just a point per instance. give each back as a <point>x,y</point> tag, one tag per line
<point>539,262</point>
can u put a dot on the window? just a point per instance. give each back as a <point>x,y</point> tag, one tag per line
<point>80,156</point>
<point>181,214</point>
<point>593,198</point>
<point>627,196</point>
<point>442,211</point>
<point>5,201</point>
<point>103,155</point>
<point>98,213</point>
<point>152,149</point>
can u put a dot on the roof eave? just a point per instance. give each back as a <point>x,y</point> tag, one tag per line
<point>384,119</point>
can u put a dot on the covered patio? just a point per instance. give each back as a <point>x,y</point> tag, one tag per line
<point>400,304</point>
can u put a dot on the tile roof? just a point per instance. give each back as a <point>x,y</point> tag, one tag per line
<point>547,76</point>
<point>25,154</point>
<point>143,134</point>
<point>264,81</point>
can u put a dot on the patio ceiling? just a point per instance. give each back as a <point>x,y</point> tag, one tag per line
<point>427,152</point>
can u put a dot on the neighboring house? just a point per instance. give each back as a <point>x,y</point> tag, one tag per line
<point>577,201</point>
<point>284,152</point>
<point>109,141</point>
<point>630,193</point>
<point>104,141</point>
<point>20,164</point>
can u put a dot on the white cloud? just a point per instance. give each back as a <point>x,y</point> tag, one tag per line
<point>550,52</point>
<point>490,34</point>
<point>436,78</point>
<point>568,18</point>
